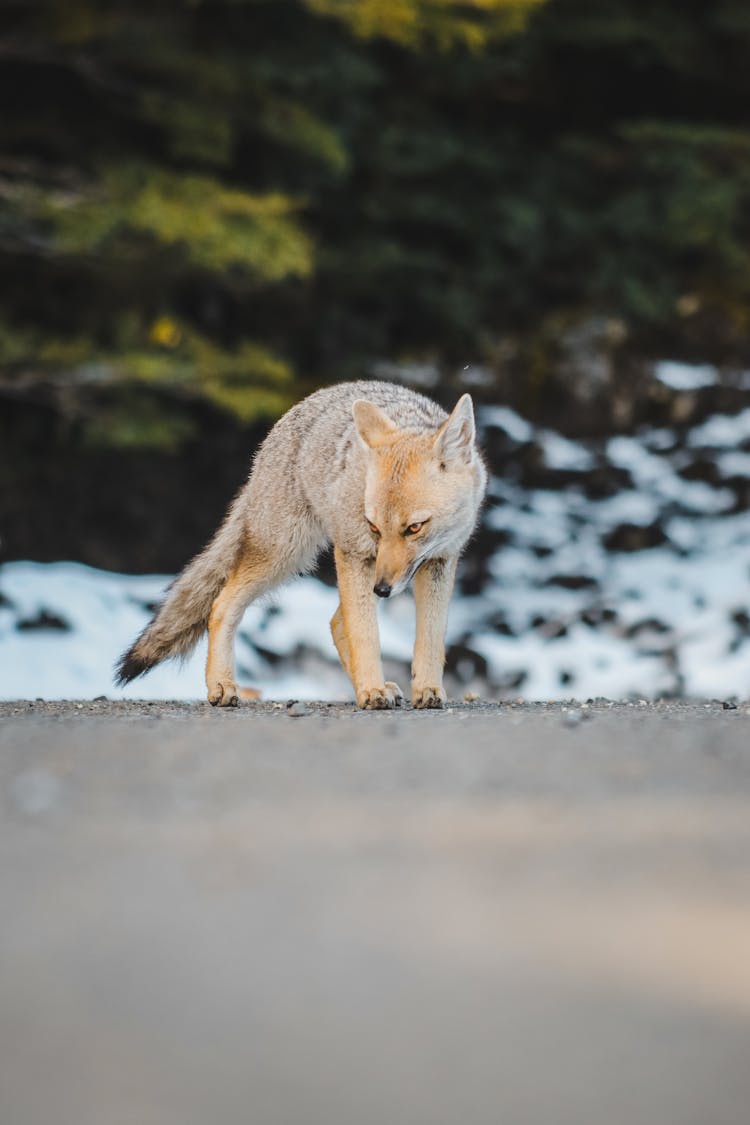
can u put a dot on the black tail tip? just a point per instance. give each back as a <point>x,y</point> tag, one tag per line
<point>129,667</point>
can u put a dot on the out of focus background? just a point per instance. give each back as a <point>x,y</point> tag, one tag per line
<point>208,210</point>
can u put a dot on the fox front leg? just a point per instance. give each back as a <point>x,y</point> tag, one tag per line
<point>433,585</point>
<point>354,627</point>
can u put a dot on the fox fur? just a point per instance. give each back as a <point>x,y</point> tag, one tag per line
<point>374,468</point>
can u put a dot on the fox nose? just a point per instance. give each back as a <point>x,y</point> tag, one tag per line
<point>382,589</point>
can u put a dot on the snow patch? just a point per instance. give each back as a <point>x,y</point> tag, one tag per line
<point>503,418</point>
<point>561,613</point>
<point>686,376</point>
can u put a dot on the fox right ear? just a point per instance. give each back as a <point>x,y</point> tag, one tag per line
<point>373,426</point>
<point>455,438</point>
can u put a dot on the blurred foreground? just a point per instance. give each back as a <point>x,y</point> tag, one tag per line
<point>345,918</point>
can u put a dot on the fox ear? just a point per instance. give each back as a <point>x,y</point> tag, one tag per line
<point>455,438</point>
<point>373,426</point>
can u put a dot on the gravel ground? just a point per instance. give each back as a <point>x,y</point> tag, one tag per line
<point>516,913</point>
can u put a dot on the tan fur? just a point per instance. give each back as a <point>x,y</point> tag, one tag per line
<point>433,584</point>
<point>247,581</point>
<point>345,455</point>
<point>357,631</point>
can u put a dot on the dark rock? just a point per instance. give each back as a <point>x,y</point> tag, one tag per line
<point>465,664</point>
<point>634,537</point>
<point>532,472</point>
<point>149,606</point>
<point>573,581</point>
<point>740,486</point>
<point>702,469</point>
<point>510,681</point>
<point>741,618</point>
<point>551,627</point>
<point>473,575</point>
<point>45,619</point>
<point>603,482</point>
<point>647,625</point>
<point>499,446</point>
<point>597,615</point>
<point>499,624</point>
<point>325,568</point>
<point>266,654</point>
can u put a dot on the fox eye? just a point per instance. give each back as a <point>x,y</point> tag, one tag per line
<point>375,531</point>
<point>413,528</point>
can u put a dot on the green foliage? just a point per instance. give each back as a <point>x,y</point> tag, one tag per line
<point>166,356</point>
<point>16,344</point>
<point>197,132</point>
<point>214,226</point>
<point>232,200</point>
<point>288,122</point>
<point>135,421</point>
<point>445,23</point>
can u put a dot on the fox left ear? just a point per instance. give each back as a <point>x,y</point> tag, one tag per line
<point>373,426</point>
<point>455,438</point>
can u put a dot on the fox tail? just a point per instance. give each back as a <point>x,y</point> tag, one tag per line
<point>182,617</point>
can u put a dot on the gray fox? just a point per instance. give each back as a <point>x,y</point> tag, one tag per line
<point>383,474</point>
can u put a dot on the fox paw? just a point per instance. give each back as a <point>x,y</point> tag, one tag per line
<point>428,697</point>
<point>223,695</point>
<point>380,698</point>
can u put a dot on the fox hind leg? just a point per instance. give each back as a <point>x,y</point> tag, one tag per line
<point>251,577</point>
<point>340,640</point>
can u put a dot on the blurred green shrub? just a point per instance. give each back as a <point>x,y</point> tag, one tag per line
<point>240,200</point>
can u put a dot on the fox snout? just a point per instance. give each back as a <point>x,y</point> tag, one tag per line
<point>391,574</point>
<point>392,568</point>
<point>395,562</point>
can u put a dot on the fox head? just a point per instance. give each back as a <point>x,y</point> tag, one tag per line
<point>422,490</point>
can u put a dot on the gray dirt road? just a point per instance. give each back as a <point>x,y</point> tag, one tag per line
<point>504,915</point>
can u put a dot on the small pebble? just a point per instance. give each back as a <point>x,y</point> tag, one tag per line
<point>296,709</point>
<point>729,705</point>
<point>471,696</point>
<point>572,718</point>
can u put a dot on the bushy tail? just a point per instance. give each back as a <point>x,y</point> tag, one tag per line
<point>182,617</point>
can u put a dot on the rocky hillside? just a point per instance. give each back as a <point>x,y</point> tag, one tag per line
<point>616,565</point>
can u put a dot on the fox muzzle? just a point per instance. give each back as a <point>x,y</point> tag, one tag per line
<point>382,589</point>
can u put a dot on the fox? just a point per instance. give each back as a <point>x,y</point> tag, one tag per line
<point>383,474</point>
